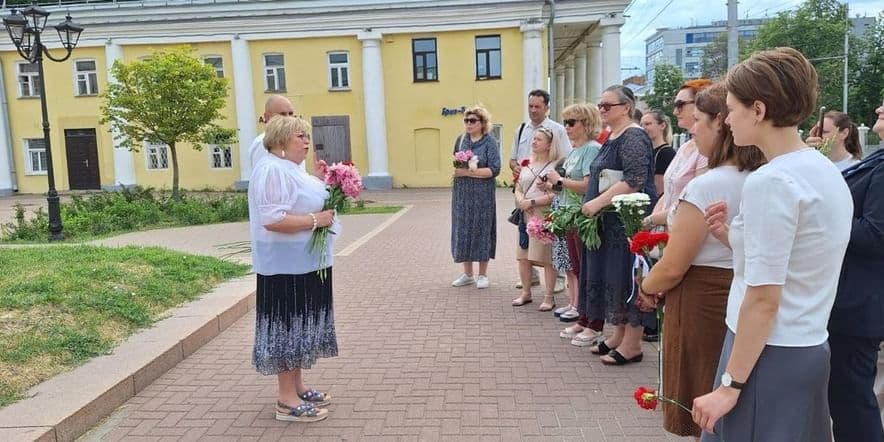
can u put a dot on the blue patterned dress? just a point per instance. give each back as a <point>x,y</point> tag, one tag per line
<point>473,207</point>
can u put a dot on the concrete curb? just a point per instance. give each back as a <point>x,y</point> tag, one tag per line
<point>70,404</point>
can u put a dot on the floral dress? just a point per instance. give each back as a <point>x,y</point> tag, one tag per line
<point>473,206</point>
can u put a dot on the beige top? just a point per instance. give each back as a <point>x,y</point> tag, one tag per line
<point>529,174</point>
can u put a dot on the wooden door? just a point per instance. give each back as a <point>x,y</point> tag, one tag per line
<point>82,154</point>
<point>331,138</point>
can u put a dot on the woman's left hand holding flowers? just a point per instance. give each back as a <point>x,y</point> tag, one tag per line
<point>591,208</point>
<point>461,172</point>
<point>711,407</point>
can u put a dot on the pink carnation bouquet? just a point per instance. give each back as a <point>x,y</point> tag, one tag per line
<point>342,181</point>
<point>462,159</point>
<point>537,228</point>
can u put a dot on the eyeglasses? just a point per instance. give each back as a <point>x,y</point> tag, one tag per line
<point>471,120</point>
<point>681,104</point>
<point>303,136</point>
<point>570,122</point>
<point>286,114</point>
<point>607,106</point>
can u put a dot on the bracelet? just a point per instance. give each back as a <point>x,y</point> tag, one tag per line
<point>315,222</point>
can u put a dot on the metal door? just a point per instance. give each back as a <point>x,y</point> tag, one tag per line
<point>82,154</point>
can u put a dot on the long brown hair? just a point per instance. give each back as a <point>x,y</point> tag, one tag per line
<point>851,143</point>
<point>712,101</point>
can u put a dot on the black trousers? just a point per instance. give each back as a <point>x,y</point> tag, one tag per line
<point>852,402</point>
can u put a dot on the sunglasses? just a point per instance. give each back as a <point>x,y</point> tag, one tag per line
<point>607,106</point>
<point>570,122</point>
<point>681,104</point>
<point>471,120</point>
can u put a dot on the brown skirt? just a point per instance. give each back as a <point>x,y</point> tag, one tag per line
<point>693,330</point>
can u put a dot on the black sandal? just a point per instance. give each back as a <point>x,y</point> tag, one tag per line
<point>602,349</point>
<point>619,359</point>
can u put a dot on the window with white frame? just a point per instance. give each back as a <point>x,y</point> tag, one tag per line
<point>156,155</point>
<point>221,157</point>
<point>274,72</point>
<point>35,156</point>
<point>86,75</point>
<point>217,63</point>
<point>28,80</point>
<point>339,70</point>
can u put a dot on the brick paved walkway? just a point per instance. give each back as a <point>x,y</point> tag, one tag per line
<point>418,360</point>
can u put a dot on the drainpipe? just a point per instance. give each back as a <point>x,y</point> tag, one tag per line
<point>552,61</point>
<point>5,128</point>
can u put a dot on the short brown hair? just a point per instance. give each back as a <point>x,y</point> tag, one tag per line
<point>783,79</point>
<point>482,114</point>
<point>589,115</point>
<point>281,129</point>
<point>712,101</point>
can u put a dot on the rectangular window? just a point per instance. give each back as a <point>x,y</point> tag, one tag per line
<point>35,156</point>
<point>28,80</point>
<point>678,57</point>
<point>217,63</point>
<point>338,70</point>
<point>496,128</point>
<point>156,156</point>
<point>221,157</point>
<point>86,77</point>
<point>425,64</point>
<point>487,57</point>
<point>274,72</point>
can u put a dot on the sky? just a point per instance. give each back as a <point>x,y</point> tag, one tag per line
<point>645,16</point>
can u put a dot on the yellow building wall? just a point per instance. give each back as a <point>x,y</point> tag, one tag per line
<point>420,139</point>
<point>194,165</point>
<point>66,111</point>
<point>307,84</point>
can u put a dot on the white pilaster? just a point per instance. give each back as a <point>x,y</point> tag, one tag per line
<point>610,27</point>
<point>560,92</point>
<point>375,115</point>
<point>124,160</point>
<point>569,80</point>
<point>245,107</point>
<point>580,73</point>
<point>594,71</point>
<point>532,62</point>
<point>7,177</point>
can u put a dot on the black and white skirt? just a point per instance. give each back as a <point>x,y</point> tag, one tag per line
<point>294,322</point>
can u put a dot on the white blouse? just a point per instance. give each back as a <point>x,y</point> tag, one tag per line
<point>277,188</point>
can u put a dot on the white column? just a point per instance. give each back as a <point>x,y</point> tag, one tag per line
<point>560,92</point>
<point>124,159</point>
<point>532,63</point>
<point>7,174</point>
<point>611,50</point>
<point>580,73</point>
<point>594,71</point>
<point>243,95</point>
<point>375,113</point>
<point>569,81</point>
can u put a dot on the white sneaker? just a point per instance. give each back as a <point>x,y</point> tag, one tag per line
<point>463,280</point>
<point>569,315</point>
<point>558,312</point>
<point>482,282</point>
<point>586,338</point>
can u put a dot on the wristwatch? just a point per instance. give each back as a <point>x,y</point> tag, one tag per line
<point>728,381</point>
<point>560,182</point>
<point>532,202</point>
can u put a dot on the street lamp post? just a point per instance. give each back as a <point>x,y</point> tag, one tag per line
<point>26,29</point>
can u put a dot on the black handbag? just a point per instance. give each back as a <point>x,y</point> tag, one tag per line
<point>515,216</point>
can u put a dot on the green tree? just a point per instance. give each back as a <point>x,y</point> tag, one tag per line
<point>867,83</point>
<point>171,97</point>
<point>816,29</point>
<point>667,80</point>
<point>713,65</point>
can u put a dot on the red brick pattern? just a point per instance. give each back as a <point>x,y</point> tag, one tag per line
<point>420,360</point>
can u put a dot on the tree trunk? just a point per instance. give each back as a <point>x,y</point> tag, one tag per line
<point>176,195</point>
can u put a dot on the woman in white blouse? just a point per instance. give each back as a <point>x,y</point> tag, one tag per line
<point>696,271</point>
<point>294,314</point>
<point>788,241</point>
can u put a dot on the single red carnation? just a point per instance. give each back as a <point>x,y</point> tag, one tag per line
<point>646,398</point>
<point>526,162</point>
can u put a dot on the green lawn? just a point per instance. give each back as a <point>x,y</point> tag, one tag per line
<point>60,306</point>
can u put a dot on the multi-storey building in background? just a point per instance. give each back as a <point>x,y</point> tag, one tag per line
<point>383,82</point>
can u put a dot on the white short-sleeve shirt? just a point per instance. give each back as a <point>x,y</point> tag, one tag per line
<point>792,230</point>
<point>724,183</point>
<point>277,188</point>
<point>522,145</point>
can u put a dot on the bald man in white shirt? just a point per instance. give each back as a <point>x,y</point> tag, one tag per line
<point>274,106</point>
